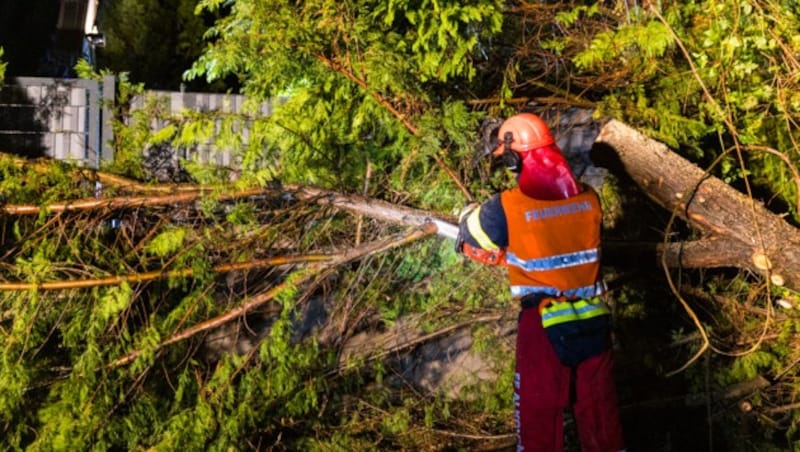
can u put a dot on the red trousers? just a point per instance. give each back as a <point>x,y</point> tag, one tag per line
<point>543,389</point>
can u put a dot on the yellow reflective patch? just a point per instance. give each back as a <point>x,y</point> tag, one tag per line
<point>477,232</point>
<point>565,311</point>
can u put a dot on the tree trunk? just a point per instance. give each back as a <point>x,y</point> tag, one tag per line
<point>739,231</point>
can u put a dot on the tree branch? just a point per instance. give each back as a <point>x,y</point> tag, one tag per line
<point>161,274</point>
<point>305,275</point>
<point>127,202</point>
<point>402,117</point>
<point>370,207</point>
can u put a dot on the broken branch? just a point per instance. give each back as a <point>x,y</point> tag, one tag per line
<point>309,273</point>
<point>161,274</point>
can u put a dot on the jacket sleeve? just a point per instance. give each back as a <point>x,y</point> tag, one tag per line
<point>485,227</point>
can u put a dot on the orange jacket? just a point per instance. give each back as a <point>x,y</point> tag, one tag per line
<point>551,247</point>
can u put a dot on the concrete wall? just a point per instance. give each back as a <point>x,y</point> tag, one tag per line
<point>60,118</point>
<point>175,102</point>
<point>69,118</point>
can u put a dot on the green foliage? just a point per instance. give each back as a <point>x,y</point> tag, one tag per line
<point>441,281</point>
<point>242,214</point>
<point>350,93</point>
<point>703,70</point>
<point>167,242</point>
<point>113,302</point>
<point>638,45</point>
<point>397,422</point>
<point>751,365</point>
<point>442,34</point>
<point>31,185</point>
<point>132,131</point>
<point>568,18</point>
<point>2,67</point>
<point>439,41</point>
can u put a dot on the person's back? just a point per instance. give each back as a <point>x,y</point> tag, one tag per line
<point>546,232</point>
<point>552,244</point>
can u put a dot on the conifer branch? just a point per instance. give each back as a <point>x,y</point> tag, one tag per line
<point>127,202</point>
<point>372,354</point>
<point>403,118</point>
<point>305,275</point>
<point>161,274</point>
<point>787,161</point>
<point>784,408</point>
<point>373,208</point>
<point>114,180</point>
<point>338,67</point>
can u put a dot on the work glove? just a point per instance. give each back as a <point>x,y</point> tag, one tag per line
<point>462,214</point>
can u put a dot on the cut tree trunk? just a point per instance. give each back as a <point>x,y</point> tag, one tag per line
<point>738,230</point>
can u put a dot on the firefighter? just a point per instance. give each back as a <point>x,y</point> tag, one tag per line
<point>546,232</point>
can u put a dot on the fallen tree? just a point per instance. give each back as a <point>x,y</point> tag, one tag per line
<point>157,293</point>
<point>701,200</point>
<point>738,231</point>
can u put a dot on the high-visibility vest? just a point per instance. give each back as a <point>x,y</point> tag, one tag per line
<point>553,246</point>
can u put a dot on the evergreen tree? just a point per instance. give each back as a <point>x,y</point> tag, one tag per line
<point>2,67</point>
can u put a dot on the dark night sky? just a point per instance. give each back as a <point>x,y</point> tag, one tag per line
<point>34,48</point>
<point>27,35</point>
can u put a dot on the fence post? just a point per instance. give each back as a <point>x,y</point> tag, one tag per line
<point>108,97</point>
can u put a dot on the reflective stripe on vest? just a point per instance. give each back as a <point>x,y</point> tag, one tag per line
<point>593,290</point>
<point>554,262</point>
<point>569,311</point>
<point>477,232</point>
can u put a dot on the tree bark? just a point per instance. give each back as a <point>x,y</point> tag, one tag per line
<point>373,208</point>
<point>739,231</point>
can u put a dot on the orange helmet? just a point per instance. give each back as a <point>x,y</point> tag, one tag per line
<point>528,132</point>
